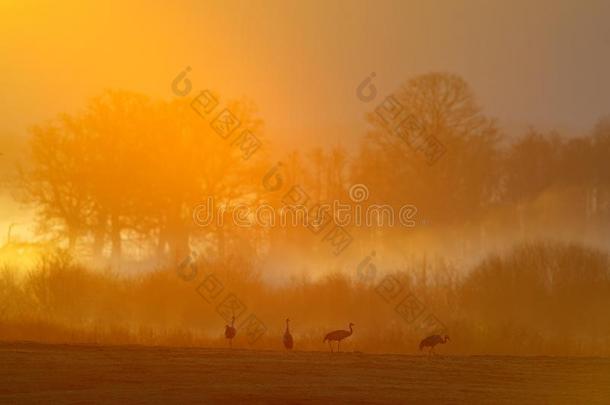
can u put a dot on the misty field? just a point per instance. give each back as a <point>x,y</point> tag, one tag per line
<point>188,190</point>
<point>36,373</point>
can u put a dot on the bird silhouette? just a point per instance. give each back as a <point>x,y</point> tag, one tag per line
<point>338,335</point>
<point>432,341</point>
<point>230,331</point>
<point>288,342</point>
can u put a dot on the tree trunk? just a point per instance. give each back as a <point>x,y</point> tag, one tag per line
<point>179,244</point>
<point>71,239</point>
<point>116,239</point>
<point>99,236</point>
<point>221,244</point>
<point>162,242</point>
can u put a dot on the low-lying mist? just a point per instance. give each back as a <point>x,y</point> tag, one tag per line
<point>537,298</point>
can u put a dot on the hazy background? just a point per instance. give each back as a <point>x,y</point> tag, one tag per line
<point>532,168</point>
<point>542,63</point>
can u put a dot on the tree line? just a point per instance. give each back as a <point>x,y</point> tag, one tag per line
<point>125,172</point>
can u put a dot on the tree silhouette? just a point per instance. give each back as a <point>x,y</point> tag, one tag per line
<point>129,169</point>
<point>462,182</point>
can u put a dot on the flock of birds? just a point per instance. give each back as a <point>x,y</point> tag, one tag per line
<point>337,335</point>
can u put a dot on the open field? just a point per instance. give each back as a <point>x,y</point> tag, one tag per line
<point>38,373</point>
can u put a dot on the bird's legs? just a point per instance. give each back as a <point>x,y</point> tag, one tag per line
<point>331,346</point>
<point>338,346</point>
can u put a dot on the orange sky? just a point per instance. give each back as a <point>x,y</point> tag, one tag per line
<point>542,62</point>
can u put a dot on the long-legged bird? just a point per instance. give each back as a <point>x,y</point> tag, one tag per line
<point>288,342</point>
<point>338,335</point>
<point>432,341</point>
<point>230,331</point>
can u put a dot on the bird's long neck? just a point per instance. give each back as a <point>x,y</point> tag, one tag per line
<point>286,326</point>
<point>232,322</point>
<point>351,330</point>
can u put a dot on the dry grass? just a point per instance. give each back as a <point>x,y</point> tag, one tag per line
<point>537,299</point>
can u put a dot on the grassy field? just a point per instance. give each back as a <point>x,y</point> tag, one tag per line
<point>37,373</point>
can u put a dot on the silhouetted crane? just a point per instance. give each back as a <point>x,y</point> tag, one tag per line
<point>288,343</point>
<point>230,331</point>
<point>338,335</point>
<point>432,341</point>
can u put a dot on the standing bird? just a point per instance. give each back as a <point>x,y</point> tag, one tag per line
<point>338,335</point>
<point>432,341</point>
<point>230,332</point>
<point>288,342</point>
